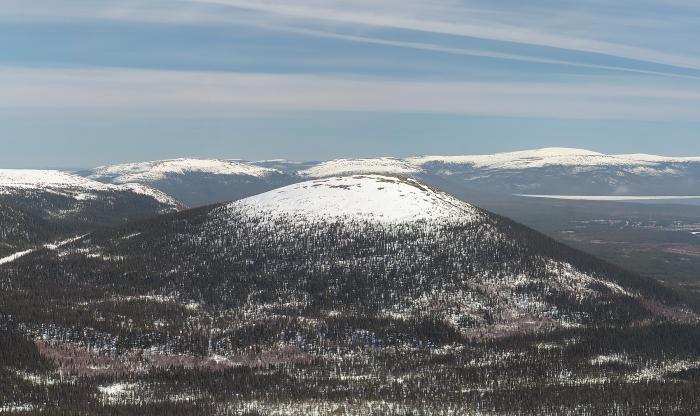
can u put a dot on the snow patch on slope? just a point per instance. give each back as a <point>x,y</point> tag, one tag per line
<point>147,172</point>
<point>15,256</point>
<point>375,198</point>
<point>49,246</point>
<point>159,196</point>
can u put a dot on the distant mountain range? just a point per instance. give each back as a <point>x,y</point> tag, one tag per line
<point>551,171</point>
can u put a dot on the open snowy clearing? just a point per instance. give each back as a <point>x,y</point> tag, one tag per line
<point>51,246</point>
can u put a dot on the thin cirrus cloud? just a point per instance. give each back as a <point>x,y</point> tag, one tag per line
<point>395,17</point>
<point>228,95</point>
<point>475,52</point>
<point>517,24</point>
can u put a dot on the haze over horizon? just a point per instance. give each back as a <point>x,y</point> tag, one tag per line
<point>90,83</point>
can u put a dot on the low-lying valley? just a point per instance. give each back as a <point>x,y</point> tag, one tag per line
<point>365,293</point>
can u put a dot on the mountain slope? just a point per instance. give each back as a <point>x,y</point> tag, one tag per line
<point>387,246</point>
<point>194,181</point>
<point>20,230</point>
<point>74,201</point>
<point>352,295</point>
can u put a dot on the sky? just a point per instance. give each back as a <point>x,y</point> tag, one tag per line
<point>91,82</point>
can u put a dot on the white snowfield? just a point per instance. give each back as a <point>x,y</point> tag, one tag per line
<point>553,156</point>
<point>71,185</point>
<point>147,172</point>
<point>374,198</point>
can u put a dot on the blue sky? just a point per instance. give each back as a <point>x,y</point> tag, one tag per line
<point>88,82</point>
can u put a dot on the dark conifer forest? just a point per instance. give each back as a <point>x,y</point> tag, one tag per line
<point>219,310</point>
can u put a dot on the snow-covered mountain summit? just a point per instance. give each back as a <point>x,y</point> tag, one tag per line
<point>374,198</point>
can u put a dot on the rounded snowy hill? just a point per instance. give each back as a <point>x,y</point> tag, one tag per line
<point>374,198</point>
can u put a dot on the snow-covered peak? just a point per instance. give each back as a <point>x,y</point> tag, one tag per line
<point>146,172</point>
<point>341,167</point>
<point>374,198</point>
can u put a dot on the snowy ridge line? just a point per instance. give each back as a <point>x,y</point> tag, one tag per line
<point>374,198</point>
<point>529,159</point>
<point>553,156</point>
<point>72,185</point>
<point>160,169</point>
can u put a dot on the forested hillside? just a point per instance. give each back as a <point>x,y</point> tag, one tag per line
<point>275,304</point>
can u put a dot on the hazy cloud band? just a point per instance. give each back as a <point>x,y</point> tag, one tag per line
<point>222,94</point>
